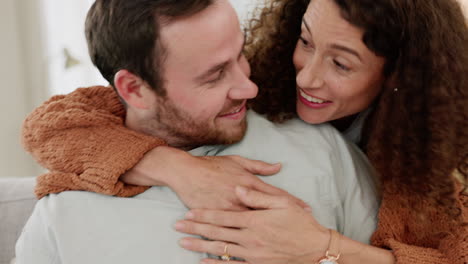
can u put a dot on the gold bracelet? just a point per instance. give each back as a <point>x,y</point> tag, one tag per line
<point>333,253</point>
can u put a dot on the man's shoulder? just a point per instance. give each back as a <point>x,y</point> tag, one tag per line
<point>72,197</point>
<point>70,203</point>
<point>141,225</point>
<point>67,203</point>
<point>294,125</point>
<point>324,135</point>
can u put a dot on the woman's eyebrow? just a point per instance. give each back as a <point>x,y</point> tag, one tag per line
<point>306,25</point>
<point>335,46</point>
<point>346,49</point>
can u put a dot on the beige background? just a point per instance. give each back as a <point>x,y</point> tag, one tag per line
<point>15,74</point>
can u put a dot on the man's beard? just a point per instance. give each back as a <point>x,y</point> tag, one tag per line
<point>180,130</point>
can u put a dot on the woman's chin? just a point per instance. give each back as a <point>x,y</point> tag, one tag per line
<point>310,117</point>
<point>313,119</point>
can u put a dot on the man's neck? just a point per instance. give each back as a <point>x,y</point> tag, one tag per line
<point>132,123</point>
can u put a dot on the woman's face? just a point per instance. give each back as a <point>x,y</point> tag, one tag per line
<point>337,75</point>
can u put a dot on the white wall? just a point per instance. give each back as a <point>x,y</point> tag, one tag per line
<point>243,7</point>
<point>65,31</point>
<point>464,4</point>
<point>16,101</point>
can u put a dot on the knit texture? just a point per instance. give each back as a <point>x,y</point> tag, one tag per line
<point>82,140</point>
<point>413,237</point>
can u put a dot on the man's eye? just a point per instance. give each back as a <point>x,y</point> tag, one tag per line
<point>219,77</point>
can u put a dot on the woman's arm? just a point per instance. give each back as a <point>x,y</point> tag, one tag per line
<point>204,182</point>
<point>82,140</point>
<point>416,238</point>
<point>280,232</point>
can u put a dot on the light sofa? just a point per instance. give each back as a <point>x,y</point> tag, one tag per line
<point>17,201</point>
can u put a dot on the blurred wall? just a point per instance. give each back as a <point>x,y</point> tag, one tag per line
<point>17,100</point>
<point>464,4</point>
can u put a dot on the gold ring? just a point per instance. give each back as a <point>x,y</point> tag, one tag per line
<point>226,256</point>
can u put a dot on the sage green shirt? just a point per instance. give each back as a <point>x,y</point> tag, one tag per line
<point>319,167</point>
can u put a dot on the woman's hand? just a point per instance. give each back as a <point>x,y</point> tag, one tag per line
<point>278,232</point>
<point>204,182</point>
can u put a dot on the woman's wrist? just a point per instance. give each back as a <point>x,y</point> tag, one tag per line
<point>173,163</point>
<point>350,252</point>
<point>321,241</point>
<point>333,253</point>
<point>356,252</point>
<point>156,168</point>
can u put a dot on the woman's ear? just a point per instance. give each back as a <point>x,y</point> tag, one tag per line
<point>132,89</point>
<point>392,83</point>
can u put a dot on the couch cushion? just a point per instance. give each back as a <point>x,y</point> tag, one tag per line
<point>17,201</point>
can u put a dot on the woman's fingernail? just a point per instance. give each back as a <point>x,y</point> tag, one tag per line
<point>184,242</point>
<point>241,190</point>
<point>189,215</point>
<point>179,226</point>
<point>308,209</point>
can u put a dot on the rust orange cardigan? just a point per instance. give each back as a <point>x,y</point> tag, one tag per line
<point>82,140</point>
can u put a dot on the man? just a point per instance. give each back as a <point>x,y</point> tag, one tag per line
<point>183,78</point>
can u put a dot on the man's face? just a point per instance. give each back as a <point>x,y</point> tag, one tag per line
<point>206,80</point>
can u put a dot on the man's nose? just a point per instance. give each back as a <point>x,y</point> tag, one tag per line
<point>243,88</point>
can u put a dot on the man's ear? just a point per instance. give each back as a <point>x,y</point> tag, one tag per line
<point>132,89</point>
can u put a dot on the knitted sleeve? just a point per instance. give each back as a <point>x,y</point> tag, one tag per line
<point>419,239</point>
<point>82,140</point>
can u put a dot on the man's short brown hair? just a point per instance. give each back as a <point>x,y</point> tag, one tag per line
<point>124,34</point>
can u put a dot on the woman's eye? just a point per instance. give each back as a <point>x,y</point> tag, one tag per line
<point>341,66</point>
<point>304,41</point>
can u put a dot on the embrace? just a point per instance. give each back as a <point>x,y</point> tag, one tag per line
<point>331,131</point>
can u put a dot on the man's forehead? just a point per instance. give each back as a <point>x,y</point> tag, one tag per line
<point>204,38</point>
<point>220,11</point>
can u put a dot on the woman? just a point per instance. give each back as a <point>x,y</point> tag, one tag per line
<point>413,37</point>
<point>363,66</point>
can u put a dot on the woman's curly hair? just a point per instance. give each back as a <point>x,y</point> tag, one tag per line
<point>415,137</point>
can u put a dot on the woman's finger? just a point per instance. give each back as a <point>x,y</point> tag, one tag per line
<point>219,218</point>
<point>216,261</point>
<point>270,189</point>
<point>217,248</point>
<point>209,231</point>
<point>259,200</point>
<point>257,166</point>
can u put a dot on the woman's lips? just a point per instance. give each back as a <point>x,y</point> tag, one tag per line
<point>312,101</point>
